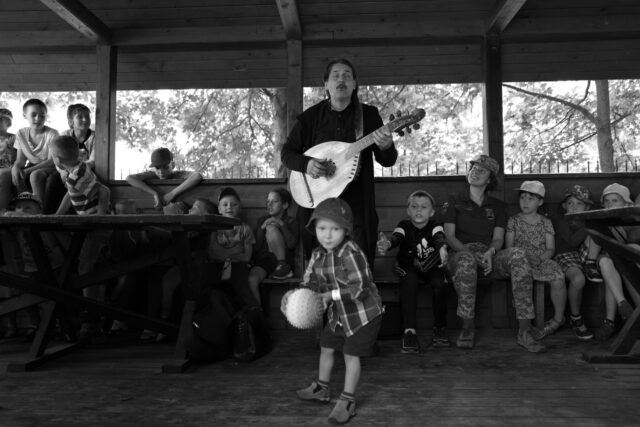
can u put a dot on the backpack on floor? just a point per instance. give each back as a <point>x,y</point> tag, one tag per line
<point>250,335</point>
<point>209,339</point>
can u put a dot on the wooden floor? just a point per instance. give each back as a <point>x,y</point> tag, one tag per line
<point>496,383</point>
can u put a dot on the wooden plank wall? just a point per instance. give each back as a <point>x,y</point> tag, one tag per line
<point>391,194</point>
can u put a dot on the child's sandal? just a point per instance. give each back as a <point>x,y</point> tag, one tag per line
<point>549,328</point>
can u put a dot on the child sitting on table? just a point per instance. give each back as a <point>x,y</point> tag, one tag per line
<point>87,196</point>
<point>162,167</point>
<point>26,204</point>
<point>422,254</point>
<point>7,157</point>
<point>276,236</point>
<point>572,246</point>
<point>613,196</point>
<point>535,234</point>
<point>33,163</point>
<point>79,117</point>
<point>339,271</point>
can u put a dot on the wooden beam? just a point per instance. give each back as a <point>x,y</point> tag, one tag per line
<point>107,58</point>
<point>492,100</point>
<point>80,18</point>
<point>288,10</point>
<point>294,82</point>
<point>503,14</point>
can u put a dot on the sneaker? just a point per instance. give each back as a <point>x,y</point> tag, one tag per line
<point>342,412</point>
<point>591,271</point>
<point>315,392</point>
<point>526,340</point>
<point>549,328</point>
<point>625,309</point>
<point>466,338</point>
<point>605,332</point>
<point>410,343</point>
<point>579,328</point>
<point>440,337</point>
<point>282,271</point>
<point>117,327</point>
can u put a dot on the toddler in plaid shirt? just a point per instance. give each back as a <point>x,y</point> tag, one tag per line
<point>339,271</point>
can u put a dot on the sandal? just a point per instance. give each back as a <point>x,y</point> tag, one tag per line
<point>549,328</point>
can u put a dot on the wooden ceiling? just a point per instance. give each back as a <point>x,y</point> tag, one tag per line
<point>50,44</point>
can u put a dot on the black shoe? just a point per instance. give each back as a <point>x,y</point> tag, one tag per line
<point>282,271</point>
<point>440,337</point>
<point>591,271</point>
<point>410,343</point>
<point>579,328</point>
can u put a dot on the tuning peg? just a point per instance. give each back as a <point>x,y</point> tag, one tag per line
<point>392,118</point>
<point>401,133</point>
<point>399,113</point>
<point>408,129</point>
<point>416,126</point>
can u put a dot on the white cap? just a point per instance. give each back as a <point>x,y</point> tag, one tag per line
<point>534,187</point>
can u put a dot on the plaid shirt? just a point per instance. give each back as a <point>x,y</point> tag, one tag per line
<point>82,185</point>
<point>346,269</point>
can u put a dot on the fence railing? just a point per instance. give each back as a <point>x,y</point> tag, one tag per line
<point>435,168</point>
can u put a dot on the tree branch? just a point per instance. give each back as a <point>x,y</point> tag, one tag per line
<point>592,134</point>
<point>569,104</point>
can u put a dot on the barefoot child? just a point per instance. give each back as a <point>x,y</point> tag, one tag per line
<point>339,271</point>
<point>534,233</point>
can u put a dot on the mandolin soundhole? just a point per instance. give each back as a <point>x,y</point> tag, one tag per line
<point>330,167</point>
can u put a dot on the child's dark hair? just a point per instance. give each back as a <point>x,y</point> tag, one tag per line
<point>74,109</point>
<point>66,145</point>
<point>36,102</point>
<point>284,195</point>
<point>209,206</point>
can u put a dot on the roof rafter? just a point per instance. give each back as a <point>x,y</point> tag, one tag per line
<point>290,18</point>
<point>503,14</point>
<point>80,18</point>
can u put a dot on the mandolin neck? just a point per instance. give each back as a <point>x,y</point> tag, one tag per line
<point>356,147</point>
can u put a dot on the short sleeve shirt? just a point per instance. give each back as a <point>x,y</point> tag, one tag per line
<point>147,175</point>
<point>474,224</point>
<point>86,147</point>
<point>7,150</point>
<point>229,240</point>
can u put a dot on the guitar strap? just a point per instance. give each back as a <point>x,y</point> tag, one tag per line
<point>359,124</point>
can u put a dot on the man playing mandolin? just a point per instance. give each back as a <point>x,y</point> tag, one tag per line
<point>341,117</point>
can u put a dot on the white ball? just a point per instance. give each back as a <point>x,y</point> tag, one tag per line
<point>304,308</point>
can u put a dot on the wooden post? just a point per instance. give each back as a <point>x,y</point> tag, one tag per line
<point>294,82</point>
<point>492,105</point>
<point>107,58</point>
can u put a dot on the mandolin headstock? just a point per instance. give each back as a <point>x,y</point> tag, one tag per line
<point>406,123</point>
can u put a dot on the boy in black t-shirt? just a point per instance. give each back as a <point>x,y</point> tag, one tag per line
<point>422,254</point>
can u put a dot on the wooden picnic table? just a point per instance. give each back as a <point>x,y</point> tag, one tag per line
<point>625,259</point>
<point>60,290</point>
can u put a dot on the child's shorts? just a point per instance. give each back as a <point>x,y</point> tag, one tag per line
<point>267,261</point>
<point>567,260</point>
<point>359,344</point>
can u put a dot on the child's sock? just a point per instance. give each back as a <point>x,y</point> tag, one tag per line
<point>350,397</point>
<point>323,384</point>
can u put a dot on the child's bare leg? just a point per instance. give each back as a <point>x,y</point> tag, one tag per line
<point>611,308</point>
<point>558,299</point>
<point>576,286</point>
<point>594,249</point>
<point>38,181</point>
<point>276,243</point>
<point>612,279</point>
<point>256,276</point>
<point>351,373</point>
<point>327,358</point>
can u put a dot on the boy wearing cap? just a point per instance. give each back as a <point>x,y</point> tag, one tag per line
<point>162,167</point>
<point>535,234</point>
<point>613,196</point>
<point>339,271</point>
<point>572,248</point>
<point>230,250</point>
<point>7,157</point>
<point>474,224</point>
<point>422,254</point>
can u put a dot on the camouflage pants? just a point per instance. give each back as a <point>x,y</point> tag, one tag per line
<point>507,264</point>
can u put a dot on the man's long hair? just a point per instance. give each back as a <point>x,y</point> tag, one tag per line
<point>354,95</point>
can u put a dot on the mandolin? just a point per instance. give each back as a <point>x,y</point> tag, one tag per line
<point>342,161</point>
